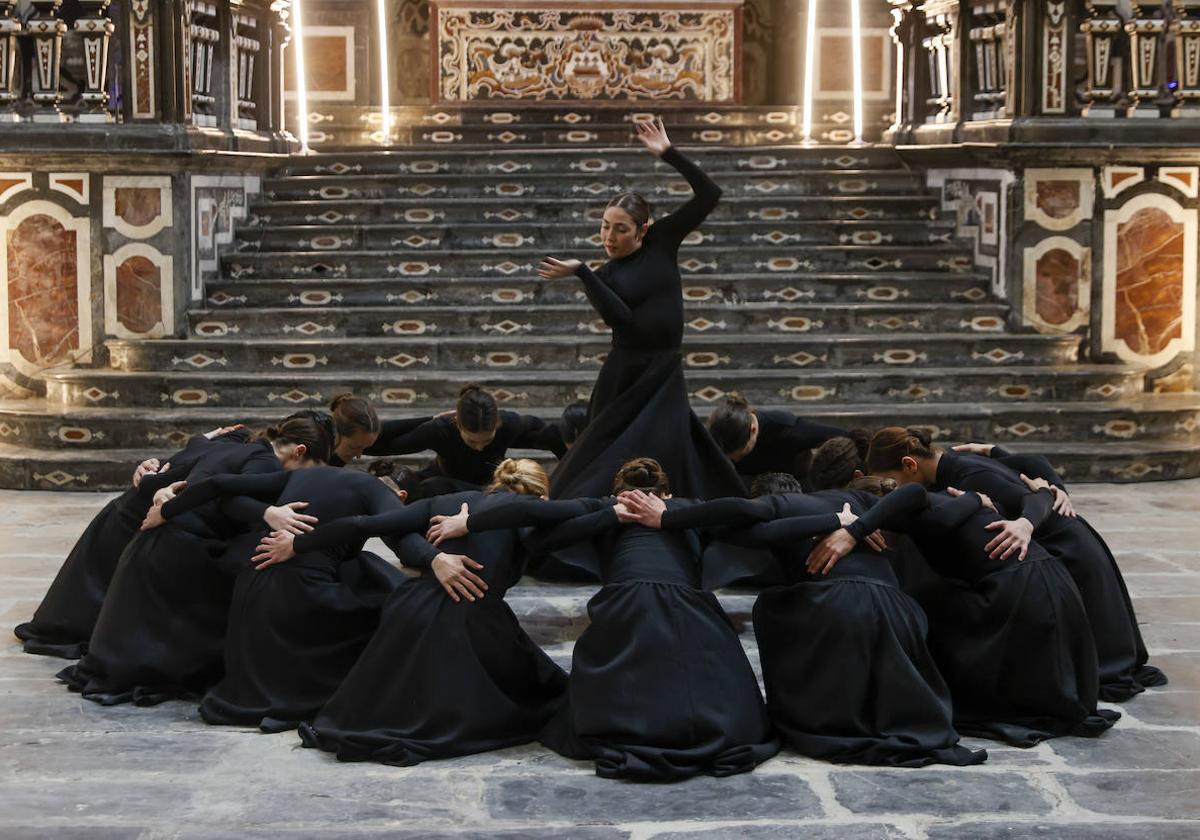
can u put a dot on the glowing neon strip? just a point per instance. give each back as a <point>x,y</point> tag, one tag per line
<point>810,49</point>
<point>301,78</point>
<point>385,105</point>
<point>856,39</point>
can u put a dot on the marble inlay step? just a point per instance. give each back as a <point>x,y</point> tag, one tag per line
<point>702,352</point>
<point>662,187</point>
<point>536,208</point>
<point>523,387</point>
<point>1166,418</point>
<point>580,320</point>
<point>504,290</point>
<point>521,249</point>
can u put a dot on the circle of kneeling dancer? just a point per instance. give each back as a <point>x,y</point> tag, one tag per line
<point>907,594</point>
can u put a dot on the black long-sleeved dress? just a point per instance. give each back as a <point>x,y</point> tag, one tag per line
<point>63,622</point>
<point>639,405</point>
<point>848,675</point>
<point>458,467</point>
<point>1122,654</point>
<point>439,678</point>
<point>785,443</point>
<point>295,628</point>
<point>660,688</point>
<point>1012,636</point>
<point>161,630</point>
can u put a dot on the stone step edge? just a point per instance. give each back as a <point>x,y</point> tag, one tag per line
<point>912,276</point>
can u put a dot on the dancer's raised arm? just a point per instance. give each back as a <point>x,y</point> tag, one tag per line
<point>671,229</point>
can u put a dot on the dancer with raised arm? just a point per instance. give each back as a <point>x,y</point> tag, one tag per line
<point>639,405</point>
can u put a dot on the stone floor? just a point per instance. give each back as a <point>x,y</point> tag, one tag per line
<point>69,767</point>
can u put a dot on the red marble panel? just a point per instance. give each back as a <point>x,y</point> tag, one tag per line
<point>1149,292</point>
<point>139,294</point>
<point>137,205</point>
<point>1058,199</point>
<point>43,303</point>
<point>324,64</point>
<point>1057,286</point>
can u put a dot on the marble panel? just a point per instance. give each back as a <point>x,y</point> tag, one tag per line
<point>1149,293</point>
<point>1059,199</point>
<point>137,206</point>
<point>75,185</point>
<point>1186,179</point>
<point>138,292</point>
<point>328,64</point>
<point>45,273</point>
<point>1057,282</point>
<point>835,56</point>
<point>1117,179</point>
<point>12,183</point>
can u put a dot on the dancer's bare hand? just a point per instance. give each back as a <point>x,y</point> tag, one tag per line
<point>846,516</point>
<point>1013,538</point>
<point>877,541</point>
<point>1035,484</point>
<point>644,508</point>
<point>829,551</point>
<point>224,430</point>
<point>553,269</point>
<point>154,518</point>
<point>984,449</point>
<point>168,493</point>
<point>442,528</point>
<point>653,135</point>
<point>1063,505</point>
<point>453,572</point>
<point>276,547</point>
<point>984,498</point>
<point>288,518</point>
<point>150,465</point>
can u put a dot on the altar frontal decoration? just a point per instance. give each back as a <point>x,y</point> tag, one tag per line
<point>686,52</point>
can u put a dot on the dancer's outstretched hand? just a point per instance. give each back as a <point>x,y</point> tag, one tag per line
<point>653,135</point>
<point>1013,538</point>
<point>1063,505</point>
<point>147,467</point>
<point>168,493</point>
<point>984,498</point>
<point>277,547</point>
<point>1036,484</point>
<point>551,269</point>
<point>644,508</point>
<point>154,518</point>
<point>442,528</point>
<point>456,578</point>
<point>829,551</point>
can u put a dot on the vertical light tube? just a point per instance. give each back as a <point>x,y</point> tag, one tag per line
<point>856,39</point>
<point>301,77</point>
<point>810,62</point>
<point>385,102</point>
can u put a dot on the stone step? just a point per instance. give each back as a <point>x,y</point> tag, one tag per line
<point>560,237</point>
<point>657,186</point>
<point>29,468</point>
<point>1171,418</point>
<point>523,320</point>
<point>592,161</point>
<point>703,352</point>
<point>521,288</point>
<point>520,388</point>
<point>918,208</point>
<point>513,250</point>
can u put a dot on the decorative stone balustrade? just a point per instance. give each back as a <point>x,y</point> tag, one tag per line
<point>201,63</point>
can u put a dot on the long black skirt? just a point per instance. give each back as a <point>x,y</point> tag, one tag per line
<point>848,675</point>
<point>295,630</point>
<point>1017,652</point>
<point>660,689</point>
<point>1122,653</point>
<point>63,622</point>
<point>439,679</point>
<point>640,409</point>
<point>161,630</point>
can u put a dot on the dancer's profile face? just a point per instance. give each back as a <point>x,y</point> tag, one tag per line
<point>352,446</point>
<point>620,234</point>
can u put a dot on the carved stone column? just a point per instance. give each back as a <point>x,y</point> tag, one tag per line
<point>1146,35</point>
<point>941,48</point>
<point>902,32</point>
<point>95,30</point>
<point>1103,30</point>
<point>47,29</point>
<point>988,23</point>
<point>10,26</point>
<point>1053,76</point>
<point>1187,58</point>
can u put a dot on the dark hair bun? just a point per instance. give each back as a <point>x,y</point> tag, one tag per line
<point>922,436</point>
<point>382,467</point>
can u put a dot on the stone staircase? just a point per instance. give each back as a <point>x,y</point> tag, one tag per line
<point>825,282</point>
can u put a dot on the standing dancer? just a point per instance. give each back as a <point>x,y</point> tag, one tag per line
<point>639,404</point>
